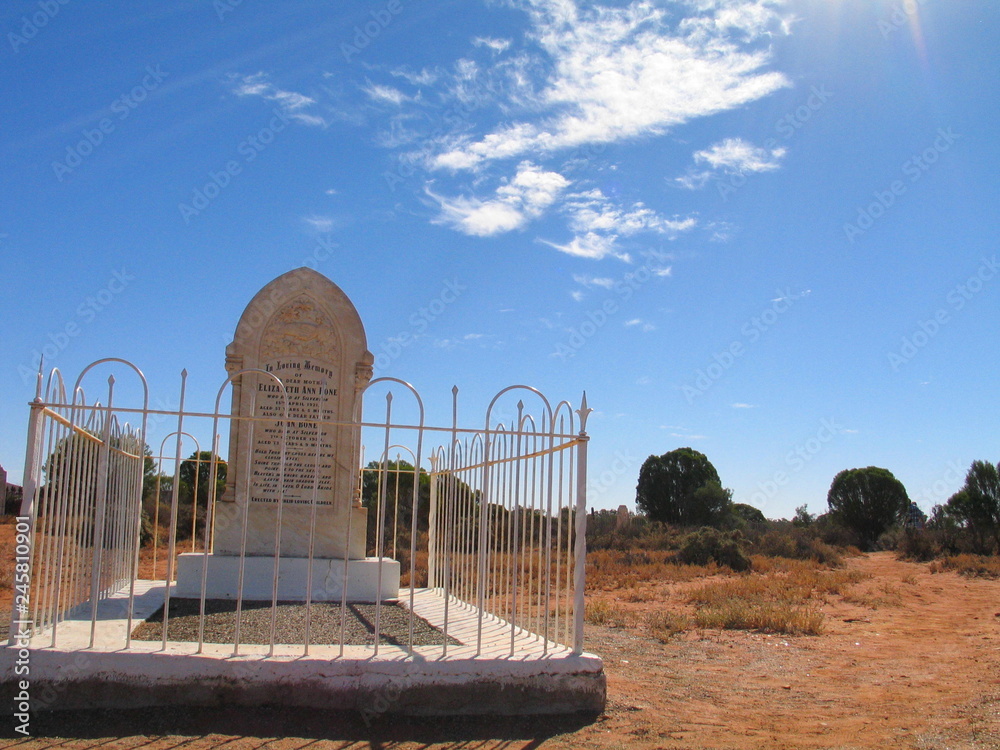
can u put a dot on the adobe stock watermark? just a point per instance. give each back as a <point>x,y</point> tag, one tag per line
<point>795,460</point>
<point>122,106</point>
<point>85,314</point>
<point>900,17</point>
<point>21,625</point>
<point>597,318</point>
<point>420,321</point>
<point>956,300</point>
<point>367,32</point>
<point>941,489</point>
<point>31,25</point>
<point>914,169</point>
<point>249,148</point>
<point>786,127</point>
<point>750,333</point>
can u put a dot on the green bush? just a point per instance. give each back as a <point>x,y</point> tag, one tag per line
<point>708,544</point>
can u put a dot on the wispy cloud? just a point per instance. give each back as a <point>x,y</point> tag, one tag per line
<point>524,197</point>
<point>744,406</point>
<point>320,224</point>
<point>731,156</point>
<point>497,45</point>
<point>599,281</point>
<point>591,245</point>
<point>385,94</point>
<point>622,73</point>
<point>641,324</point>
<point>291,103</point>
<point>598,223</point>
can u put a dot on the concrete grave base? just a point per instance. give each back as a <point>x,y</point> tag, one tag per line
<point>258,578</point>
<point>505,675</point>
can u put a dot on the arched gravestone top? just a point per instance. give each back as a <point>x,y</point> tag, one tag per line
<point>302,329</point>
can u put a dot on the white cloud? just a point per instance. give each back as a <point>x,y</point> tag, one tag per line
<point>497,45</point>
<point>641,324</point>
<point>598,223</point>
<point>603,282</point>
<point>736,155</point>
<point>385,94</point>
<point>321,224</point>
<point>523,198</point>
<point>733,156</point>
<point>591,245</point>
<point>621,73</point>
<point>290,102</point>
<point>744,406</point>
<point>422,78</point>
<point>592,211</point>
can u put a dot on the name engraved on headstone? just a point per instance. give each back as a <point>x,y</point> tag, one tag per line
<point>309,447</point>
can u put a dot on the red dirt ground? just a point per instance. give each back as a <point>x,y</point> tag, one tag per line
<point>921,670</point>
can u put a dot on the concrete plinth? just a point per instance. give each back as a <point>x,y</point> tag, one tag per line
<point>500,675</point>
<point>258,578</point>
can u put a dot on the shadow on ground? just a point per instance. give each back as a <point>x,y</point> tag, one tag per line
<point>265,723</point>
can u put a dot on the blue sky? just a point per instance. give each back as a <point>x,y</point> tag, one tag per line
<point>763,229</point>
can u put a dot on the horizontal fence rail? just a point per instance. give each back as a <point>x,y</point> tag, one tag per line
<point>487,527</point>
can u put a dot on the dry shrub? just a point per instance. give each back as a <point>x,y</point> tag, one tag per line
<point>601,612</point>
<point>973,566</point>
<point>776,604</point>
<point>771,617</point>
<point>796,544</point>
<point>664,625</point>
<point>782,601</point>
<point>624,569</point>
<point>711,545</point>
<point>799,582</point>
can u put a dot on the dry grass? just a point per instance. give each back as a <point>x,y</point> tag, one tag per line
<point>601,612</point>
<point>974,566</point>
<point>781,595</point>
<point>770,617</point>
<point>784,600</point>
<point>623,569</point>
<point>7,555</point>
<point>664,625</point>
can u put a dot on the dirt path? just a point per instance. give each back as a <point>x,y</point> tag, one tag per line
<point>910,660</point>
<point>922,670</point>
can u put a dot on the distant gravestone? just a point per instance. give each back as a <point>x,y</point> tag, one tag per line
<point>623,520</point>
<point>304,343</point>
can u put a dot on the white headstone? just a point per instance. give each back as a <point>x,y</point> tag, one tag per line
<point>305,332</point>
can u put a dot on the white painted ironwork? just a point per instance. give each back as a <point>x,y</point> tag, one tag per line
<point>498,539</point>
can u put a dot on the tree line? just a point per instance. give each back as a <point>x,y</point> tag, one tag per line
<point>869,505</point>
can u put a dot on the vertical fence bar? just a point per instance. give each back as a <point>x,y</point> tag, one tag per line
<point>580,551</point>
<point>174,499</point>
<point>102,499</point>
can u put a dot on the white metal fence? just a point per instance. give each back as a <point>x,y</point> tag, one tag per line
<point>491,521</point>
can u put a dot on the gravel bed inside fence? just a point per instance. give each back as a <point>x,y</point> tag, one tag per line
<point>290,626</point>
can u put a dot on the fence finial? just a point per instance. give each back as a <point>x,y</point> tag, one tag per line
<point>583,412</point>
<point>38,384</point>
